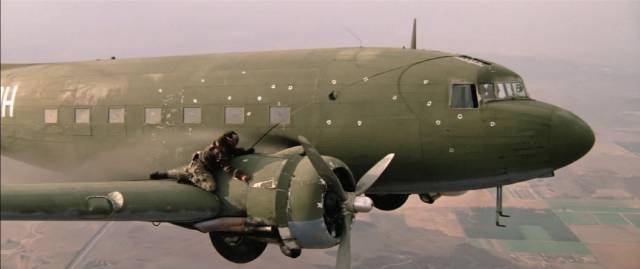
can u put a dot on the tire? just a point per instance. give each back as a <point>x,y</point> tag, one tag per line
<point>237,248</point>
<point>388,202</point>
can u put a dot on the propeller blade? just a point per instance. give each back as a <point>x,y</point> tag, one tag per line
<point>344,249</point>
<point>373,174</point>
<point>322,168</point>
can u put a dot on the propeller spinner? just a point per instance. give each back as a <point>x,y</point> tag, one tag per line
<point>351,202</point>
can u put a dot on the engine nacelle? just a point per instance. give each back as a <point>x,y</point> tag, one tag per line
<point>287,195</point>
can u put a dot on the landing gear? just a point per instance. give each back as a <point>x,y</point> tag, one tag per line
<point>388,202</point>
<point>289,252</point>
<point>499,207</point>
<point>237,248</point>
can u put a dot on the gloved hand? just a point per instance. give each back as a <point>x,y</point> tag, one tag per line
<point>244,178</point>
<point>241,176</point>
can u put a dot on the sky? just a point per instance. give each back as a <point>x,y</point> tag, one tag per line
<point>46,31</point>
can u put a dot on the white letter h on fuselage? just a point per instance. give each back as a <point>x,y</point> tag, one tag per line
<point>7,99</point>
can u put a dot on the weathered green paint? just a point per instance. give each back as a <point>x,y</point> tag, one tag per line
<point>354,104</point>
<point>282,185</point>
<point>261,198</point>
<point>306,195</point>
<point>284,188</point>
<point>143,201</point>
<point>381,108</point>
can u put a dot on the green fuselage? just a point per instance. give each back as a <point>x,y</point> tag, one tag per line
<point>356,104</point>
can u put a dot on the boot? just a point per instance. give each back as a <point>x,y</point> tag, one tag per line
<point>159,175</point>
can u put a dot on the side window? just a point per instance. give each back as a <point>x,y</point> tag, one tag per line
<point>192,115</point>
<point>116,115</point>
<point>280,115</point>
<point>464,96</point>
<point>82,115</point>
<point>234,115</point>
<point>51,115</point>
<point>152,115</point>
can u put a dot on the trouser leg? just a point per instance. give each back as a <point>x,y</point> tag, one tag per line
<point>180,174</point>
<point>201,177</point>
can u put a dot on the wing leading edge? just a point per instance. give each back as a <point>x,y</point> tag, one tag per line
<point>164,201</point>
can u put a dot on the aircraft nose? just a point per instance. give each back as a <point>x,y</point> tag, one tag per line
<point>571,138</point>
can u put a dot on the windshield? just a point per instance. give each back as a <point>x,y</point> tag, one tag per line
<point>502,90</point>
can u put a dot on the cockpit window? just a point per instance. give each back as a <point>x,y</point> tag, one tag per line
<point>507,87</point>
<point>487,92</point>
<point>505,90</point>
<point>501,93</point>
<point>464,96</point>
<point>518,90</point>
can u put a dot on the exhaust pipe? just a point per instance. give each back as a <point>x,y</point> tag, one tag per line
<point>222,225</point>
<point>231,224</point>
<point>430,198</point>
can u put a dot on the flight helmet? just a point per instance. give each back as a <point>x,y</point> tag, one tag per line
<point>231,138</point>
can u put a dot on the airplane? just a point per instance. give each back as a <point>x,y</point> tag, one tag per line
<point>338,131</point>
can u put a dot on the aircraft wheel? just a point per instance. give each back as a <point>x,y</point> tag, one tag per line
<point>388,202</point>
<point>237,248</point>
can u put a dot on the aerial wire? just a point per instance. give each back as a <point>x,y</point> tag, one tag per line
<point>353,34</point>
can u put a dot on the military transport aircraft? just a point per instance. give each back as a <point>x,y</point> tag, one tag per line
<point>390,121</point>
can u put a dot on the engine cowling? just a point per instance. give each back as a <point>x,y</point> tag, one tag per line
<point>287,196</point>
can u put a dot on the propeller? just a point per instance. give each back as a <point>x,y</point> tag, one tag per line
<point>351,202</point>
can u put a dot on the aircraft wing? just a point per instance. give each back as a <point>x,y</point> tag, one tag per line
<point>147,200</point>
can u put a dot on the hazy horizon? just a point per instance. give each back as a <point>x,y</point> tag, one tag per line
<point>34,31</point>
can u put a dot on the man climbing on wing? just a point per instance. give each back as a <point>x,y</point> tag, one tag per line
<point>204,164</point>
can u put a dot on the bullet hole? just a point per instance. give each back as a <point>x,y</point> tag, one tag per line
<point>333,95</point>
